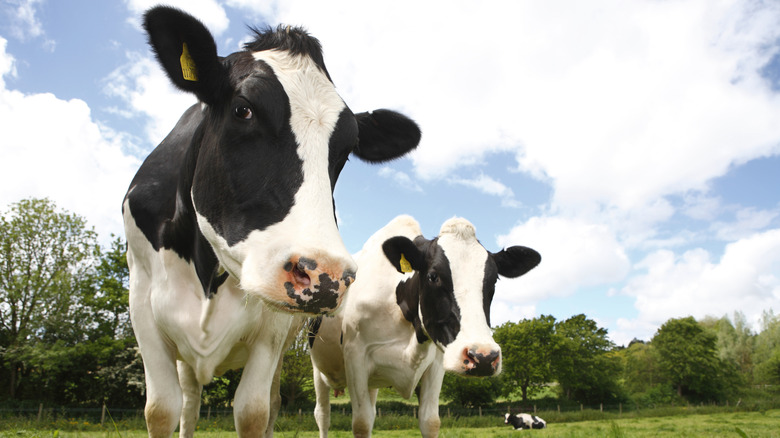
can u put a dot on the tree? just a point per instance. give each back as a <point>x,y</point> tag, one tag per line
<point>688,357</point>
<point>45,254</point>
<point>296,381</point>
<point>735,342</point>
<point>582,364</point>
<point>470,392</point>
<point>767,350</point>
<point>527,349</point>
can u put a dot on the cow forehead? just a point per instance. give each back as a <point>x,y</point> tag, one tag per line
<point>465,255</point>
<point>315,105</point>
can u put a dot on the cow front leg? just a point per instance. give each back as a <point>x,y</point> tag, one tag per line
<point>430,387</point>
<point>191,392</point>
<point>363,404</point>
<point>322,407</point>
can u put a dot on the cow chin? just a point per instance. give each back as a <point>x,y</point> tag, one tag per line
<point>473,359</point>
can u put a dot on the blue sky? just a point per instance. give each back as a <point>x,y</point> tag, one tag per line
<point>635,145</point>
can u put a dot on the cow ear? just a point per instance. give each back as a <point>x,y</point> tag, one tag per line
<point>385,135</point>
<point>516,260</point>
<point>403,254</point>
<point>187,52</point>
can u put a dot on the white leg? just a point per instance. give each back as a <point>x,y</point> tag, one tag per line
<point>363,410</point>
<point>252,403</point>
<point>322,407</point>
<point>191,392</point>
<point>430,387</point>
<point>163,393</point>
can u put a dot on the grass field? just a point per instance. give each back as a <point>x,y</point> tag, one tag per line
<point>758,424</point>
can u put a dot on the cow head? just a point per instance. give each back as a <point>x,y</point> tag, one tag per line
<point>452,286</point>
<point>265,159</point>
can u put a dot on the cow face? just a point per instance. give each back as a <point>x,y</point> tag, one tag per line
<point>265,159</point>
<point>449,294</point>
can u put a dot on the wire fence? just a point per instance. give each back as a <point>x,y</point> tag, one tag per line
<point>102,414</point>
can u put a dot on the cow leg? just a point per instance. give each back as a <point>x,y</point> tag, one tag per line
<point>363,409</point>
<point>275,401</point>
<point>252,403</point>
<point>322,407</point>
<point>191,391</point>
<point>430,387</point>
<point>163,393</point>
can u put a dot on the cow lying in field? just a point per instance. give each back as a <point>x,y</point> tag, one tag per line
<point>524,421</point>
<point>418,308</point>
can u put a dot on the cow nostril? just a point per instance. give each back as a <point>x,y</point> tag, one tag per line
<point>300,275</point>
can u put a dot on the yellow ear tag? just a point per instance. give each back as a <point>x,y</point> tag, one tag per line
<point>188,68</point>
<point>405,265</point>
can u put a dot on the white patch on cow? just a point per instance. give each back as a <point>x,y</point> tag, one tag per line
<point>467,258</point>
<point>315,108</point>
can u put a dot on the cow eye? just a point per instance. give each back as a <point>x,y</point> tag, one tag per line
<point>243,112</point>
<point>433,278</point>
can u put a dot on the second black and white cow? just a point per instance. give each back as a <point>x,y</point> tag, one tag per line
<point>418,308</point>
<point>230,221</point>
<point>524,421</point>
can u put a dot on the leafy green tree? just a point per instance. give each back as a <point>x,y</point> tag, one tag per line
<point>470,392</point>
<point>45,254</point>
<point>585,370</point>
<point>735,342</point>
<point>688,357</point>
<point>527,350</point>
<point>640,368</point>
<point>767,350</point>
<point>296,382</point>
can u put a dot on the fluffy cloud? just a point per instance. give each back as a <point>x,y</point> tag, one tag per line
<point>575,254</point>
<point>147,92</point>
<point>53,148</point>
<point>210,12</point>
<point>746,279</point>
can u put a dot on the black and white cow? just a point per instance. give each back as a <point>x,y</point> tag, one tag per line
<point>524,421</point>
<point>230,221</point>
<point>418,308</point>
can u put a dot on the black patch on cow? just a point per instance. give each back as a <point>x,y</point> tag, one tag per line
<point>313,329</point>
<point>305,264</point>
<point>342,142</point>
<point>483,364</point>
<point>430,290</point>
<point>323,299</point>
<point>515,422</point>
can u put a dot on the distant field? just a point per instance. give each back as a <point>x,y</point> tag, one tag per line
<point>737,424</point>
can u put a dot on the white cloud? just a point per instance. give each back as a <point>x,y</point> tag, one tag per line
<point>746,279</point>
<point>147,91</point>
<point>748,221</point>
<point>575,254</point>
<point>210,12</point>
<point>399,178</point>
<point>615,105</point>
<point>53,148</point>
<point>490,186</point>
<point>23,23</point>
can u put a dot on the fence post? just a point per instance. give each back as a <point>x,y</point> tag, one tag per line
<point>621,409</point>
<point>601,407</point>
<point>40,412</point>
<point>534,409</point>
<point>208,414</point>
<point>480,411</point>
<point>581,408</point>
<point>103,415</point>
<point>559,409</point>
<point>414,412</point>
<point>380,412</point>
<point>448,412</point>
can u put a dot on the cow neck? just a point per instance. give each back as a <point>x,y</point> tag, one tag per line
<point>182,234</point>
<point>407,295</point>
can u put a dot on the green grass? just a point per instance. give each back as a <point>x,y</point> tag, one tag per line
<point>756,424</point>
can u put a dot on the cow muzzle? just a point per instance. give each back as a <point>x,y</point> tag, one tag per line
<point>480,361</point>
<point>315,285</point>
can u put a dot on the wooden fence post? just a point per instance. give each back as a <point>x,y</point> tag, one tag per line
<point>534,409</point>
<point>380,412</point>
<point>448,412</point>
<point>40,412</point>
<point>559,409</point>
<point>208,414</point>
<point>414,412</point>
<point>581,408</point>
<point>103,415</point>
<point>601,407</point>
<point>480,411</point>
<point>621,409</point>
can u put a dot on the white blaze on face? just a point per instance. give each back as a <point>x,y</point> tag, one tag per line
<point>309,230</point>
<point>467,258</point>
